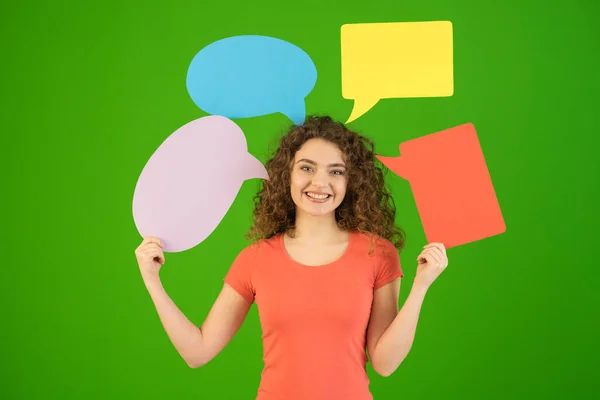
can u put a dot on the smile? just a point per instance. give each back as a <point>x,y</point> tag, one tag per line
<point>317,197</point>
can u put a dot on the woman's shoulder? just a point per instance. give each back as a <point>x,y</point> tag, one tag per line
<point>371,238</point>
<point>373,244</point>
<point>264,244</point>
<point>256,250</point>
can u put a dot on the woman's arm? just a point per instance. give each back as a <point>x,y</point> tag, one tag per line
<point>391,333</point>
<point>197,346</point>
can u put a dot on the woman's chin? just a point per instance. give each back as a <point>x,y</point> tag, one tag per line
<point>316,211</point>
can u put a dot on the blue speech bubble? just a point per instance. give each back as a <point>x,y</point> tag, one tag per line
<point>249,76</point>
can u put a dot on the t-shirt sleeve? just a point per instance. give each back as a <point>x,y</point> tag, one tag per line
<point>239,276</point>
<point>388,265</point>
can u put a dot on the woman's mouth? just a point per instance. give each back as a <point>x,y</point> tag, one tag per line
<point>317,197</point>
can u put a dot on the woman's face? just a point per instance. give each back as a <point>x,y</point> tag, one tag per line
<point>318,178</point>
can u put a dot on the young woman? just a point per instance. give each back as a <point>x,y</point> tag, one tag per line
<point>323,270</point>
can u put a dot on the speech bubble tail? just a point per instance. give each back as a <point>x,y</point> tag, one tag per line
<point>253,168</point>
<point>397,165</point>
<point>361,106</point>
<point>296,112</point>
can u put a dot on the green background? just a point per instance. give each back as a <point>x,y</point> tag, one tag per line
<point>91,89</point>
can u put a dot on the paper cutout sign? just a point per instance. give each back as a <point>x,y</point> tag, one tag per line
<point>451,185</point>
<point>395,60</point>
<point>249,76</point>
<point>191,180</point>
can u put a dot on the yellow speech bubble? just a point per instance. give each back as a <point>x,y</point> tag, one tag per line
<point>395,60</point>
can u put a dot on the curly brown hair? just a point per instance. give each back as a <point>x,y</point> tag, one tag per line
<point>368,206</point>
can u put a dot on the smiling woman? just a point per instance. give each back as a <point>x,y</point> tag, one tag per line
<point>318,179</point>
<point>323,270</point>
<point>324,157</point>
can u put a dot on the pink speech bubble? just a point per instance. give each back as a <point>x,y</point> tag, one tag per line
<point>191,180</point>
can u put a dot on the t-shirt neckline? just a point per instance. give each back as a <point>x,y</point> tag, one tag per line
<point>316,267</point>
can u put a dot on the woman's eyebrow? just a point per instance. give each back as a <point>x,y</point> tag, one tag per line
<point>306,160</point>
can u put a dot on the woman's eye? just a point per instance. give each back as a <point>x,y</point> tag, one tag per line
<point>305,168</point>
<point>337,172</point>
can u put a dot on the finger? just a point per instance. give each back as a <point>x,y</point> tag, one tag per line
<point>423,255</point>
<point>435,257</point>
<point>154,245</point>
<point>152,239</point>
<point>153,253</point>
<point>441,255</point>
<point>443,261</point>
<point>150,246</point>
<point>437,245</point>
<point>443,258</point>
<point>426,257</point>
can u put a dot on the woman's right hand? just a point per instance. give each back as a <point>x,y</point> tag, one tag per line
<point>150,256</point>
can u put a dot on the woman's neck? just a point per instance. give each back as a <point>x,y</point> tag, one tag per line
<point>316,228</point>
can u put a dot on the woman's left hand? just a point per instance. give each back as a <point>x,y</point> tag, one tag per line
<point>431,263</point>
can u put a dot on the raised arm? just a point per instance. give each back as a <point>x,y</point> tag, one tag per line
<point>197,346</point>
<point>391,334</point>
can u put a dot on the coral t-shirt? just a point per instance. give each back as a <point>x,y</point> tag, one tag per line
<point>314,319</point>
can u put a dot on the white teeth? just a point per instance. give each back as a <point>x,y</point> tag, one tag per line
<point>317,196</point>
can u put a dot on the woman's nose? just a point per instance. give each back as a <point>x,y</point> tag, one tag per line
<point>320,179</point>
